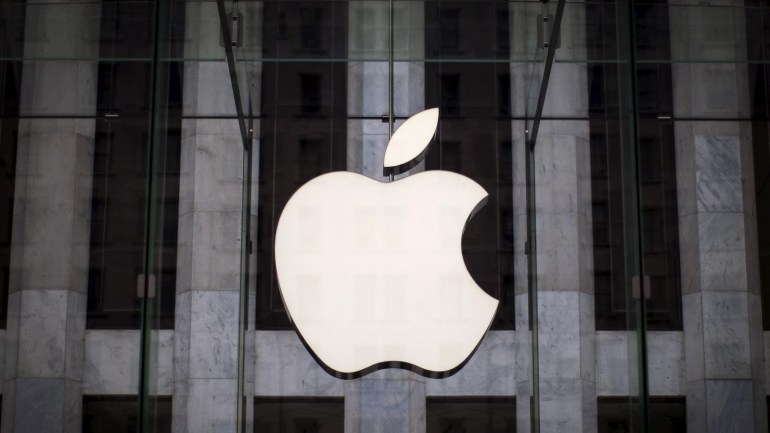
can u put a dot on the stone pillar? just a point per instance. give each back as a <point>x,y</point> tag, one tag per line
<point>205,396</point>
<point>368,80</point>
<point>566,347</point>
<point>51,216</point>
<point>717,224</point>
<point>386,401</point>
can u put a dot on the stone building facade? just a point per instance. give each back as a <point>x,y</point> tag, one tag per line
<point>142,195</point>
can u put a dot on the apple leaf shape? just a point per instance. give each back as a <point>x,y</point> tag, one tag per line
<point>372,273</point>
<point>409,143</point>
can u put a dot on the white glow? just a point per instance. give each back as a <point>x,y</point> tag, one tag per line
<point>411,139</point>
<point>373,272</point>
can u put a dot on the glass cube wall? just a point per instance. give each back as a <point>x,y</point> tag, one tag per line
<point>149,148</point>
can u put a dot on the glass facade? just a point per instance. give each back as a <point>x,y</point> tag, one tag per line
<point>148,149</point>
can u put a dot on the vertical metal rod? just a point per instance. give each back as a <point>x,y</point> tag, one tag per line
<point>532,214</point>
<point>245,252</point>
<point>224,25</point>
<point>390,68</point>
<point>390,75</point>
<point>641,313</point>
<point>153,210</point>
<point>534,418</point>
<point>546,71</point>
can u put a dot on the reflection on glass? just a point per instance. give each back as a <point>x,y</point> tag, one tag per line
<point>474,137</point>
<point>302,133</point>
<point>119,196</point>
<point>660,240</point>
<point>304,30</point>
<point>76,135</point>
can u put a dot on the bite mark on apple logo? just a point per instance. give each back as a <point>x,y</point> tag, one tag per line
<point>372,273</point>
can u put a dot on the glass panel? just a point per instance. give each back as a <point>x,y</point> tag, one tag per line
<point>658,191</point>
<point>241,40</point>
<point>147,153</point>
<point>302,108</point>
<point>728,19</point>
<point>318,87</point>
<point>474,139</point>
<point>76,139</point>
<point>704,128</point>
<point>584,188</point>
<point>159,281</point>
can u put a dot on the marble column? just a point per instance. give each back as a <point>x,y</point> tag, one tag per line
<point>566,336</point>
<point>51,216</point>
<point>205,395</point>
<point>717,224</point>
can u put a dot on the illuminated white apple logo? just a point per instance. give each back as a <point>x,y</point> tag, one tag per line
<point>372,273</point>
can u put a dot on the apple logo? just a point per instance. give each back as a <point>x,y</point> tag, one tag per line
<point>372,273</point>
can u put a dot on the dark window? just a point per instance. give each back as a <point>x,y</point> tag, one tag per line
<point>760,138</point>
<point>117,224</point>
<point>9,134</point>
<point>120,174</point>
<point>283,28</point>
<point>619,415</point>
<point>310,93</point>
<point>303,132</point>
<point>757,31</point>
<point>304,30</point>
<point>470,414</point>
<point>659,212</point>
<point>502,34</point>
<point>311,27</point>
<point>474,138</point>
<point>467,30</point>
<point>449,24</point>
<point>451,159</point>
<point>449,95</point>
<point>126,29</point>
<point>504,94</point>
<point>660,222</point>
<point>120,414</point>
<point>8,139</point>
<point>299,414</point>
<point>310,156</point>
<point>11,46</point>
